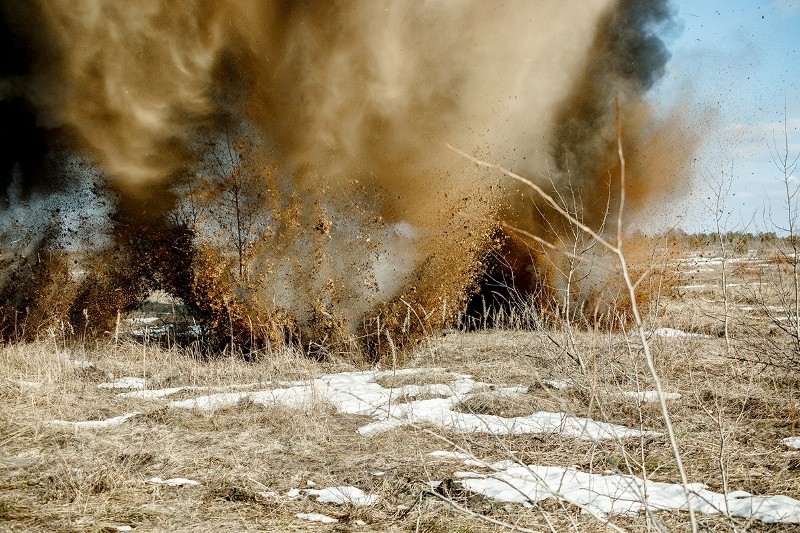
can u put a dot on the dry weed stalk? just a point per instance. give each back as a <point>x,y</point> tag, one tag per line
<point>617,250</point>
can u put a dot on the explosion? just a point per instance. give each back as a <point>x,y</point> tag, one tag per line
<point>281,166</point>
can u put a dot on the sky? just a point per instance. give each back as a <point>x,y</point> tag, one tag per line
<point>735,67</point>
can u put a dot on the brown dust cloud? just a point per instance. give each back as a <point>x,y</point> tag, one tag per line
<point>281,165</point>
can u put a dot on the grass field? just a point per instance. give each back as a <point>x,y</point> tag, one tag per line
<point>254,437</point>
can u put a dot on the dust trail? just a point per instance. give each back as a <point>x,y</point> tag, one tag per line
<point>280,165</point>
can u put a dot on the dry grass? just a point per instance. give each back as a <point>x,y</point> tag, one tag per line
<point>729,422</point>
<point>780,258</point>
<point>423,378</point>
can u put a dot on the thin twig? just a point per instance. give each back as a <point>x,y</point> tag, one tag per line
<point>546,197</point>
<point>479,516</point>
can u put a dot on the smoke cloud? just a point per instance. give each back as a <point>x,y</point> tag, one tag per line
<point>285,160</point>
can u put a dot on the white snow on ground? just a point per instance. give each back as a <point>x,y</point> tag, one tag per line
<point>26,384</point>
<point>173,482</point>
<point>792,442</point>
<point>715,261</point>
<point>67,359</point>
<point>706,286</point>
<point>763,308</point>
<point>458,456</point>
<point>613,494</point>
<point>317,517</point>
<point>344,495</point>
<point>127,382</point>
<point>444,454</point>
<point>94,424</point>
<point>650,395</point>
<point>703,260</point>
<point>671,332</point>
<point>341,495</point>
<point>152,394</point>
<point>559,384</point>
<point>359,393</point>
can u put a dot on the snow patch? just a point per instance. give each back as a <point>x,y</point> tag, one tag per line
<point>152,394</point>
<point>440,412</point>
<point>444,454</point>
<point>792,442</point>
<point>359,393</point>
<point>672,332</point>
<point>559,384</point>
<point>650,395</point>
<point>21,383</point>
<point>614,494</point>
<point>344,495</point>
<point>67,359</point>
<point>127,382</point>
<point>317,517</point>
<point>94,424</point>
<point>716,261</point>
<point>173,482</point>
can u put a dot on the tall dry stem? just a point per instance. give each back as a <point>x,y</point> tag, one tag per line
<point>720,187</point>
<point>615,249</point>
<point>782,159</point>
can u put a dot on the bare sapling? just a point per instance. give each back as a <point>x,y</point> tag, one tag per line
<point>720,186</point>
<point>782,283</point>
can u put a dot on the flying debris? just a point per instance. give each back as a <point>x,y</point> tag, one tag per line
<point>281,166</point>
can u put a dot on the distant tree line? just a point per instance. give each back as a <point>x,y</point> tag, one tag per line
<point>739,241</point>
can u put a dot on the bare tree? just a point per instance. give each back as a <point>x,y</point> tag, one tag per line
<point>232,194</point>
<point>720,186</point>
<point>786,165</point>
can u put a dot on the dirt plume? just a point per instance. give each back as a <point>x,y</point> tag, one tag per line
<point>281,165</point>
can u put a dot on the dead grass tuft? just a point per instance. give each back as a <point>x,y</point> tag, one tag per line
<point>508,406</point>
<point>416,378</point>
<point>778,257</point>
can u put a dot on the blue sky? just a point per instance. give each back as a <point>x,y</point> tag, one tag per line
<point>740,59</point>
